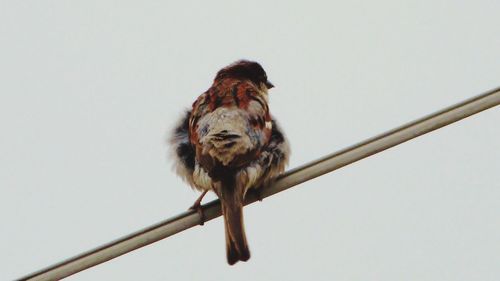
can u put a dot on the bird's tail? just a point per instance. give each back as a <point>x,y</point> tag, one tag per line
<point>232,209</point>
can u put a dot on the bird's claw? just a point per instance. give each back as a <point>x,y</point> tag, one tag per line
<point>199,209</point>
<point>258,194</point>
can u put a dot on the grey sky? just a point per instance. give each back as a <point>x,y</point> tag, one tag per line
<point>89,90</point>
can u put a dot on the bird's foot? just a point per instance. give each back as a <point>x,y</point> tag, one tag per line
<point>258,194</point>
<point>198,208</point>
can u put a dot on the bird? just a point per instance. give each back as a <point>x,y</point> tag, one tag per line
<point>229,143</point>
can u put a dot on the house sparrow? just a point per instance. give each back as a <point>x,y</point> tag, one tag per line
<point>228,143</point>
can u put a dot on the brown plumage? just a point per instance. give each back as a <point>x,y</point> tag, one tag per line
<point>229,143</point>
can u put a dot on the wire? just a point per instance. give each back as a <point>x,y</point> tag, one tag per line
<point>293,177</point>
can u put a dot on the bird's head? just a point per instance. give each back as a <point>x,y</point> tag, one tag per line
<point>244,69</point>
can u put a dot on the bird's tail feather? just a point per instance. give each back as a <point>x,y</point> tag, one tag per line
<point>232,210</point>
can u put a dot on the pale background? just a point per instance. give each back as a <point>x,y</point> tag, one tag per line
<point>89,90</point>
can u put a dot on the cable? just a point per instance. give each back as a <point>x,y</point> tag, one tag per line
<point>293,177</point>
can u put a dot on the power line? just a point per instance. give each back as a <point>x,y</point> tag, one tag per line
<point>293,177</point>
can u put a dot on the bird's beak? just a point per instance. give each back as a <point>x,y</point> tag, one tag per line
<point>269,85</point>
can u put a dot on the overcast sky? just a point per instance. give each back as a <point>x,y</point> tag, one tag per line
<point>89,90</point>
